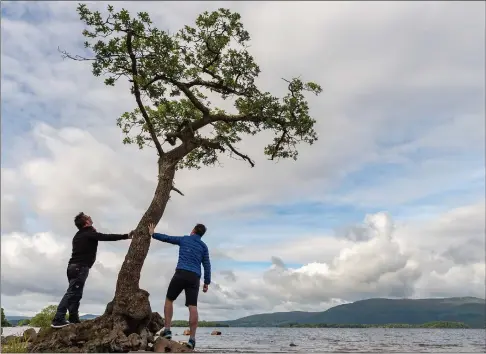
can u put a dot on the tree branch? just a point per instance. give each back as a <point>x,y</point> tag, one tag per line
<point>197,103</point>
<point>136,91</point>
<point>228,118</point>
<point>279,143</point>
<point>244,157</point>
<point>191,144</point>
<point>184,87</point>
<point>209,144</point>
<point>216,86</point>
<point>221,117</point>
<point>65,54</point>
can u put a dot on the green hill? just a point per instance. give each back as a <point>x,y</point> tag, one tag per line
<point>468,310</point>
<point>272,319</point>
<point>14,320</point>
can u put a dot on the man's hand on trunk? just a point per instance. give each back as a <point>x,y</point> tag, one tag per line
<point>151,229</point>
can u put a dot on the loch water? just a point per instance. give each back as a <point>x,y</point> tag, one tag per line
<point>331,340</point>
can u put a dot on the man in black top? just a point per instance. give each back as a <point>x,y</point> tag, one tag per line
<point>85,245</point>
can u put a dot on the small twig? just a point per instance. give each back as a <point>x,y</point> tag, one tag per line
<point>177,190</point>
<point>65,54</point>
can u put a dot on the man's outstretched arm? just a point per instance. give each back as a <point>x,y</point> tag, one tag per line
<point>163,237</point>
<point>175,240</point>
<point>109,237</point>
<point>207,267</point>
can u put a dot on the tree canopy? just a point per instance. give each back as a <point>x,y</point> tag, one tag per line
<point>172,75</point>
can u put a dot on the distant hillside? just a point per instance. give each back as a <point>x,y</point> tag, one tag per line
<point>88,317</point>
<point>271,319</point>
<point>14,320</point>
<point>468,310</point>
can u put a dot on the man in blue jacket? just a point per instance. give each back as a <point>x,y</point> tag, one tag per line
<point>192,253</point>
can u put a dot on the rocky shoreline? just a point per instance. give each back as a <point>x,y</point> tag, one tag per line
<point>30,340</point>
<point>158,345</point>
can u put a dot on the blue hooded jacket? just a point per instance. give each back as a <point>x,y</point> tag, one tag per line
<point>192,253</point>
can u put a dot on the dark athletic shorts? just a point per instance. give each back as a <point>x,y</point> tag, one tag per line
<point>187,281</point>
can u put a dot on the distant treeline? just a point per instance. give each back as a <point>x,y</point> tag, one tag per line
<point>185,324</point>
<point>200,324</point>
<point>23,322</point>
<point>26,322</point>
<point>434,324</point>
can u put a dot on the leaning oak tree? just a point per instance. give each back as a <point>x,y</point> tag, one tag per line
<point>170,77</point>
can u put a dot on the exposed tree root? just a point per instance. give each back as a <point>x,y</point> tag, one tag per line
<point>106,334</point>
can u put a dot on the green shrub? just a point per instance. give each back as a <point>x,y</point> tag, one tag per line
<point>44,318</point>
<point>25,322</point>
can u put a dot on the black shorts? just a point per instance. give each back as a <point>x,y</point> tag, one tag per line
<point>187,281</point>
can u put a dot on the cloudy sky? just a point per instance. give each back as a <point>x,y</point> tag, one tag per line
<point>388,203</point>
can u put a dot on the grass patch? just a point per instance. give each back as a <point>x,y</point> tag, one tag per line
<point>15,345</point>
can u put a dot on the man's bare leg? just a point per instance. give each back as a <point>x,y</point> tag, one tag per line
<point>193,319</point>
<point>168,313</point>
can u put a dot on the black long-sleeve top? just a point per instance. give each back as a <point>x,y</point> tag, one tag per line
<point>85,245</point>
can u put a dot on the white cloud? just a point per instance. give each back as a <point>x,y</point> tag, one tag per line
<point>375,267</point>
<point>403,84</point>
<point>395,262</point>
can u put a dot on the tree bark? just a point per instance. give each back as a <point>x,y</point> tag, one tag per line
<point>130,301</point>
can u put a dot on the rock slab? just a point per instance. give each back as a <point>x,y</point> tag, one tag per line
<point>163,345</point>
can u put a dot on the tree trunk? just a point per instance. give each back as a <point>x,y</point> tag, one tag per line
<point>131,301</point>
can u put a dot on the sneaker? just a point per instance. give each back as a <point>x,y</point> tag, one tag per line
<point>60,323</point>
<point>191,343</point>
<point>74,319</point>
<point>167,334</point>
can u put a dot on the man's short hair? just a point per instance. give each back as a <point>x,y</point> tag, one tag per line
<point>80,220</point>
<point>200,229</point>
